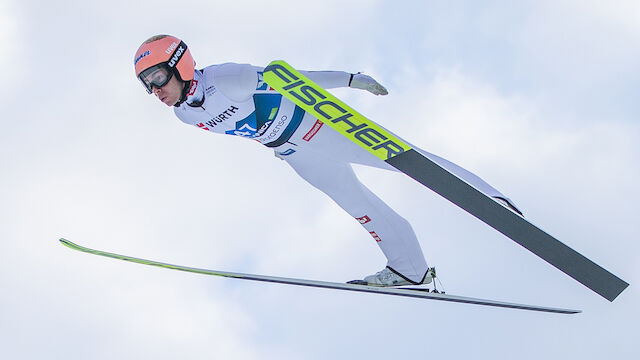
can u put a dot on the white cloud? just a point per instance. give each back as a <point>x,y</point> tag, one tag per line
<point>580,49</point>
<point>11,53</point>
<point>7,26</point>
<point>622,15</point>
<point>514,141</point>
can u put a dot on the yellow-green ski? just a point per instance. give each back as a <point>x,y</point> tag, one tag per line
<point>333,112</point>
<point>323,284</point>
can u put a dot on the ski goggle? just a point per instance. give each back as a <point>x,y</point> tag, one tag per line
<point>157,75</point>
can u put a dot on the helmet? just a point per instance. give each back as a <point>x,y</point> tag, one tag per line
<point>161,57</point>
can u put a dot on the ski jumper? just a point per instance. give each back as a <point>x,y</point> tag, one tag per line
<point>233,99</point>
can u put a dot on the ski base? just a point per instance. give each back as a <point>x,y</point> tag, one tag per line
<point>421,294</point>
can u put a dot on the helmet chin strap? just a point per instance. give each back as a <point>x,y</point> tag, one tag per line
<point>185,91</point>
<point>194,94</point>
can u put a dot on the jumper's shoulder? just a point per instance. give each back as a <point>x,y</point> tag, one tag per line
<point>237,82</point>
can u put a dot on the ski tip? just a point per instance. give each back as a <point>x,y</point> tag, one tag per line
<point>567,311</point>
<point>278,62</point>
<point>68,243</point>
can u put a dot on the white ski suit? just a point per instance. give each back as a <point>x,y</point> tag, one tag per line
<point>233,99</point>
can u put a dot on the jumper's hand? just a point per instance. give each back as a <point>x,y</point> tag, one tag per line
<point>366,82</point>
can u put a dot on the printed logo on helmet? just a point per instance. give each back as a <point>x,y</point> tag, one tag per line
<point>141,56</point>
<point>176,57</point>
<point>171,48</point>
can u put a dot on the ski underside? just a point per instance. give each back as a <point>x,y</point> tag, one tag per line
<point>399,154</point>
<point>421,294</point>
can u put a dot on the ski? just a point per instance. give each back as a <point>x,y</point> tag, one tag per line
<point>396,152</point>
<point>421,294</point>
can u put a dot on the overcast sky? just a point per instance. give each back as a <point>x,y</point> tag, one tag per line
<point>540,98</point>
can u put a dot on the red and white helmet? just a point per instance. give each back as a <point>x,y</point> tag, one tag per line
<point>161,57</point>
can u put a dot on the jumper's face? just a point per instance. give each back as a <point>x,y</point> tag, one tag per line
<point>160,81</point>
<point>169,93</point>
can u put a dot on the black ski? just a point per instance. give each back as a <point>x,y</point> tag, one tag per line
<point>396,152</point>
